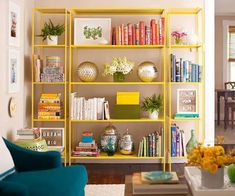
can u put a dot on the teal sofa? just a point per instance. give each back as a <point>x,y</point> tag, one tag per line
<point>42,174</point>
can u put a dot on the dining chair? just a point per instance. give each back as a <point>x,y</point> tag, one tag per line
<point>231,102</point>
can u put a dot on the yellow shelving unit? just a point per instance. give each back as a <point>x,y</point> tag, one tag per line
<point>37,18</point>
<point>199,14</point>
<point>128,12</point>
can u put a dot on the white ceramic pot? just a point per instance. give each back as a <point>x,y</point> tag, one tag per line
<point>153,115</point>
<point>53,40</point>
<point>212,181</point>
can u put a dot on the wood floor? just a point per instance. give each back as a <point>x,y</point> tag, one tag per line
<point>115,173</point>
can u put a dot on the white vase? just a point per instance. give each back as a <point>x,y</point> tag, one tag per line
<point>212,181</point>
<point>53,40</point>
<point>153,115</point>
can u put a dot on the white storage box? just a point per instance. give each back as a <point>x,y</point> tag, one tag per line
<point>193,177</point>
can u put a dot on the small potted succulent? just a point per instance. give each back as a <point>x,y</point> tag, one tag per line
<point>153,105</point>
<point>50,32</point>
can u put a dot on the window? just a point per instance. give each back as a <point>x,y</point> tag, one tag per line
<point>231,49</point>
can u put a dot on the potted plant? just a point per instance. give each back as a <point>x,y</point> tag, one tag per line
<point>211,161</point>
<point>178,37</point>
<point>119,67</point>
<point>50,32</point>
<point>153,105</point>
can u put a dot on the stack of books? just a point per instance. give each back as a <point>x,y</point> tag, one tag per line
<point>151,145</point>
<point>178,145</point>
<point>140,33</point>
<point>186,115</point>
<point>85,149</point>
<point>96,108</point>
<point>49,106</point>
<point>184,70</point>
<point>127,105</point>
<point>53,71</point>
<point>25,134</point>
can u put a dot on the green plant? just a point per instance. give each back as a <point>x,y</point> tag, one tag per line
<point>154,103</point>
<point>93,33</point>
<point>50,29</point>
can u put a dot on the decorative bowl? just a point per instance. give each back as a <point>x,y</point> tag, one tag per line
<point>158,176</point>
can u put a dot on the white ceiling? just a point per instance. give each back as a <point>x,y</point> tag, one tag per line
<point>224,7</point>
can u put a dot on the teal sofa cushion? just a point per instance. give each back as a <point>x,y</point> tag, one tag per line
<point>68,181</point>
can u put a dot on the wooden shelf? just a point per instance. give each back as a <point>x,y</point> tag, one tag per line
<point>52,10</point>
<point>50,46</point>
<point>185,46</point>
<point>117,83</point>
<point>180,83</point>
<point>104,155</point>
<point>50,83</point>
<point>118,120</point>
<point>118,46</point>
<point>49,120</point>
<point>118,11</point>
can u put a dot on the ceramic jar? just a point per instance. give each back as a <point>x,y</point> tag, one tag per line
<point>126,144</point>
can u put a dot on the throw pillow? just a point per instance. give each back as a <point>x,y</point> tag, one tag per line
<point>7,165</point>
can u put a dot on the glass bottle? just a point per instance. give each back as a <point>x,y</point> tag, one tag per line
<point>192,143</point>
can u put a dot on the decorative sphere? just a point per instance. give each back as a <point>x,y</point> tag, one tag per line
<point>147,71</point>
<point>87,71</point>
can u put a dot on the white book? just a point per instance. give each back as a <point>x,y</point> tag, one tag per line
<point>159,147</point>
<point>85,109</point>
<point>79,107</point>
<point>75,108</point>
<point>82,108</point>
<point>72,105</point>
<point>100,108</point>
<point>180,145</point>
<point>89,109</point>
<point>95,108</point>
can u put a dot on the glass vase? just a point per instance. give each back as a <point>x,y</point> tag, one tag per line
<point>192,143</point>
<point>178,41</point>
<point>118,77</point>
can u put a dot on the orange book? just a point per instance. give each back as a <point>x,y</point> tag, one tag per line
<point>157,34</point>
<point>153,31</point>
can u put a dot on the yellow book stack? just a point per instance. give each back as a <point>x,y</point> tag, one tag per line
<point>128,98</point>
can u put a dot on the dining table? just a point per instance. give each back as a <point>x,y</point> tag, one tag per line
<point>226,94</point>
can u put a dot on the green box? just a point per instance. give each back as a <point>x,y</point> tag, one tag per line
<point>127,112</point>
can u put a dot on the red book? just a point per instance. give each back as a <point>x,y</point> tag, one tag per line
<point>129,27</point>
<point>125,35</point>
<point>153,31</point>
<point>163,30</point>
<point>133,35</point>
<point>117,36</point>
<point>122,34</point>
<point>142,33</point>
<point>157,34</point>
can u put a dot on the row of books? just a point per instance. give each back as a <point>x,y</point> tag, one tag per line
<point>178,146</point>
<point>52,71</point>
<point>96,108</point>
<point>86,149</point>
<point>140,33</point>
<point>151,145</point>
<point>185,70</point>
<point>49,106</point>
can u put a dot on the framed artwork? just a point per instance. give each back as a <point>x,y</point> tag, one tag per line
<point>54,137</point>
<point>92,31</point>
<point>14,24</point>
<point>187,101</point>
<point>13,71</point>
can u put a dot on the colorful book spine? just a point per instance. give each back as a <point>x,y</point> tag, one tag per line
<point>153,31</point>
<point>137,30</point>
<point>173,140</point>
<point>134,34</point>
<point>142,33</point>
<point>129,27</point>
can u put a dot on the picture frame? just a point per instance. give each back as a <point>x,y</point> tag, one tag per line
<point>54,137</point>
<point>187,101</point>
<point>13,70</point>
<point>92,31</point>
<point>14,24</point>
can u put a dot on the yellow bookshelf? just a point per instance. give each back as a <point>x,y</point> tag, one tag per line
<point>198,13</point>
<point>74,85</point>
<point>38,47</point>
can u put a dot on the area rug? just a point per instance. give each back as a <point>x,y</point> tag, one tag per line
<point>104,189</point>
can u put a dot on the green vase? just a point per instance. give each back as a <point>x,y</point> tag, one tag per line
<point>178,41</point>
<point>192,143</point>
<point>118,77</point>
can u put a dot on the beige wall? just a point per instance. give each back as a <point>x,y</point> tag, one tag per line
<point>8,126</point>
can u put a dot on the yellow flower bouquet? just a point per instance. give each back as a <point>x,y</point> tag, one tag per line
<point>209,158</point>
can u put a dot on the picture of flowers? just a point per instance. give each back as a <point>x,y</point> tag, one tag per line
<point>14,24</point>
<point>13,71</point>
<point>92,31</point>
